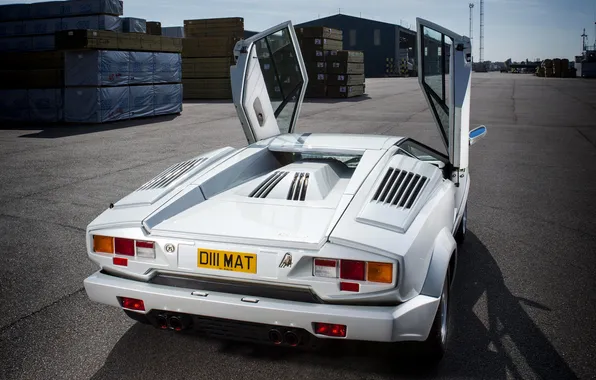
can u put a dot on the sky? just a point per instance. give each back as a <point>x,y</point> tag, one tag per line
<point>516,29</point>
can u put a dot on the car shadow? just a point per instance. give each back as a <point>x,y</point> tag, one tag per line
<point>487,348</point>
<point>208,101</point>
<point>355,99</point>
<point>58,130</point>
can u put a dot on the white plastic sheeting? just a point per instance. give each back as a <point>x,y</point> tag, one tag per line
<point>45,105</point>
<point>142,100</point>
<point>134,25</point>
<point>105,104</point>
<point>95,68</point>
<point>173,31</point>
<point>118,68</point>
<point>168,68</point>
<point>14,105</point>
<point>168,99</point>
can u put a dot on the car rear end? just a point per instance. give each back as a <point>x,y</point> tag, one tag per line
<point>277,295</point>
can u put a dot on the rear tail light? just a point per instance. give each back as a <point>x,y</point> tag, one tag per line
<point>103,244</point>
<point>353,270</point>
<point>145,249</point>
<point>380,272</point>
<point>331,329</point>
<point>124,247</point>
<point>349,286</point>
<point>325,268</point>
<point>121,261</point>
<point>132,303</point>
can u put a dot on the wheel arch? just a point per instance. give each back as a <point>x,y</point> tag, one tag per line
<point>442,263</point>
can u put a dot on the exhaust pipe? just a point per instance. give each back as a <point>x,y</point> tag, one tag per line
<point>175,323</point>
<point>291,338</point>
<point>162,322</point>
<point>275,336</point>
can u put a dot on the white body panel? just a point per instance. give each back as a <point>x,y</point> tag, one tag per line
<point>287,199</point>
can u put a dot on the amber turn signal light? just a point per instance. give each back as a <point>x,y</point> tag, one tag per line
<point>103,244</point>
<point>380,272</point>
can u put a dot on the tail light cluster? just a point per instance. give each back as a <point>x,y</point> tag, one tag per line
<point>365,271</point>
<point>132,303</point>
<point>331,329</point>
<point>123,247</point>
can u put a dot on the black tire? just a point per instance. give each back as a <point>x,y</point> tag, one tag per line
<point>435,346</point>
<point>462,228</point>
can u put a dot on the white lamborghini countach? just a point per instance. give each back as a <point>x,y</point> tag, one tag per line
<point>300,237</point>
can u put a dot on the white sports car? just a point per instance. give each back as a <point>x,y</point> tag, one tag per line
<point>299,237</point>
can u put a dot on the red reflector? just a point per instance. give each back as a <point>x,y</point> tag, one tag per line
<point>120,261</point>
<point>349,287</point>
<point>124,246</point>
<point>352,270</point>
<point>132,303</point>
<point>325,263</point>
<point>144,244</point>
<point>331,329</point>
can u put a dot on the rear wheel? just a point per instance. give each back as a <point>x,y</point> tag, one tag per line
<point>460,234</point>
<point>435,345</point>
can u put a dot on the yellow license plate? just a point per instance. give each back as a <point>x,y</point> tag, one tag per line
<point>224,260</point>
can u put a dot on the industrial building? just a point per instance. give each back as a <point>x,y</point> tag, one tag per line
<point>378,40</point>
<point>383,44</point>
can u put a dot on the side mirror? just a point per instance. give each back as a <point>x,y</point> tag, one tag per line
<point>476,134</point>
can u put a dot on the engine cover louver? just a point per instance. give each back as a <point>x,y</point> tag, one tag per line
<point>267,185</point>
<point>299,186</point>
<point>400,188</point>
<point>168,176</point>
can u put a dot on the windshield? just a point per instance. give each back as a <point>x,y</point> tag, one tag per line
<point>350,161</point>
<point>281,72</point>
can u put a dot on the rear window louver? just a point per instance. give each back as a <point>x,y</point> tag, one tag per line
<point>267,185</point>
<point>400,188</point>
<point>299,186</point>
<point>168,176</point>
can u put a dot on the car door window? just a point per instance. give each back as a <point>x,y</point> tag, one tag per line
<point>281,72</point>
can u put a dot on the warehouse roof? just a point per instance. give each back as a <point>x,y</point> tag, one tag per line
<point>343,17</point>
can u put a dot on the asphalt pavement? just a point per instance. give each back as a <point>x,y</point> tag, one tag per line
<point>524,304</point>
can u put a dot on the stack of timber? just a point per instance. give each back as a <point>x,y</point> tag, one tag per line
<point>94,66</point>
<point>555,68</point>
<point>31,87</point>
<point>109,85</point>
<point>31,27</point>
<point>207,55</point>
<point>345,78</point>
<point>332,71</point>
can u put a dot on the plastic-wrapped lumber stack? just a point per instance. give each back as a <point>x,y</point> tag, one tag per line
<point>108,85</point>
<point>207,55</point>
<point>315,43</point>
<point>31,27</point>
<point>154,28</point>
<point>134,25</point>
<point>345,74</point>
<point>173,31</point>
<point>565,72</point>
<point>548,65</point>
<point>31,87</point>
<point>31,71</point>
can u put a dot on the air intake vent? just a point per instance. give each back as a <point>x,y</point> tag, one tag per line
<point>171,174</point>
<point>400,188</point>
<point>299,186</point>
<point>267,185</point>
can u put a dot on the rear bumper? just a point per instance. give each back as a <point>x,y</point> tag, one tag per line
<point>409,321</point>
